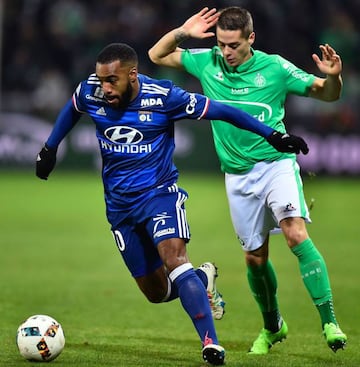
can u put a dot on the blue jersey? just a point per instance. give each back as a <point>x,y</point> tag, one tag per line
<point>137,143</point>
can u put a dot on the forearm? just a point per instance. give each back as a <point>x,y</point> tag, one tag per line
<point>332,88</point>
<point>237,117</point>
<point>327,89</point>
<point>166,51</point>
<point>65,121</point>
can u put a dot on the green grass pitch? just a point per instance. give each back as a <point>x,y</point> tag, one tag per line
<point>58,258</point>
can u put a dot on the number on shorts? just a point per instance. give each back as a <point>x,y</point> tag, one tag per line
<point>119,239</point>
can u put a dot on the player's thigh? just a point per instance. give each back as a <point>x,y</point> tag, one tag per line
<point>251,218</point>
<point>166,215</point>
<point>285,195</point>
<point>137,249</point>
<point>173,253</point>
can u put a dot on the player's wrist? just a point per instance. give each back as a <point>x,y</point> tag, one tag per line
<point>334,77</point>
<point>49,148</point>
<point>181,35</point>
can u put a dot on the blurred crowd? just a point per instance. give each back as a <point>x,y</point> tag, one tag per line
<point>48,46</point>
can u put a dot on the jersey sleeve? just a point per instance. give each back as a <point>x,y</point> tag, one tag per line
<point>195,60</point>
<point>65,121</point>
<point>68,116</point>
<point>181,104</point>
<point>77,98</point>
<point>297,80</point>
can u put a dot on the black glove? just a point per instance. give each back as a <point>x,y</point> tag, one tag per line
<point>286,143</point>
<point>45,162</point>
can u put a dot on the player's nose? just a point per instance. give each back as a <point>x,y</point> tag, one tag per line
<point>227,50</point>
<point>107,88</point>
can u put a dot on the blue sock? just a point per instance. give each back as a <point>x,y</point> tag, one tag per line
<point>201,274</point>
<point>194,300</point>
<point>174,291</point>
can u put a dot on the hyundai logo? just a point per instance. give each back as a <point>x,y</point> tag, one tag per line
<point>123,135</point>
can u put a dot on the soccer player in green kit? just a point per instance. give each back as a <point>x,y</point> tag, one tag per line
<point>263,186</point>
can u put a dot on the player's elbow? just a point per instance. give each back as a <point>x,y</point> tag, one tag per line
<point>171,59</point>
<point>154,57</point>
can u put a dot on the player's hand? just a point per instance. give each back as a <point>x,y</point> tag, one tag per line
<point>198,25</point>
<point>330,62</point>
<point>286,143</point>
<point>45,162</point>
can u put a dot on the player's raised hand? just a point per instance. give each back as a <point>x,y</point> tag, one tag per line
<point>45,162</point>
<point>198,25</point>
<point>330,62</point>
<point>287,143</point>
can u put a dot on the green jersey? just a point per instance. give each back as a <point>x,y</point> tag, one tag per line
<point>259,87</point>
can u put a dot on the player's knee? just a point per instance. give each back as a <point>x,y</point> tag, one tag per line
<point>295,237</point>
<point>294,230</point>
<point>257,257</point>
<point>155,296</point>
<point>252,260</point>
<point>154,286</point>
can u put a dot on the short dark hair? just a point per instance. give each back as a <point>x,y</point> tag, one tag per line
<point>235,18</point>
<point>117,51</point>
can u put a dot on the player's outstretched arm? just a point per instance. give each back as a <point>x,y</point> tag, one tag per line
<point>166,51</point>
<point>46,158</point>
<point>330,64</point>
<point>282,142</point>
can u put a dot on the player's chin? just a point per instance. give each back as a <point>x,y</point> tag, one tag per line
<point>113,102</point>
<point>231,62</point>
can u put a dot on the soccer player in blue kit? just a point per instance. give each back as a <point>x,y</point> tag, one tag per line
<point>134,117</point>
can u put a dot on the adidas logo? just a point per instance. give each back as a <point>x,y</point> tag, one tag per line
<point>101,111</point>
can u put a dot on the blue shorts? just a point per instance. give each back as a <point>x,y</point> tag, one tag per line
<point>161,216</point>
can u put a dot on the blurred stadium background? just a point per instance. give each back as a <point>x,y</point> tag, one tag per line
<point>47,47</point>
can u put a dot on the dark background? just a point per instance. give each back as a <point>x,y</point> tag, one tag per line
<point>48,46</point>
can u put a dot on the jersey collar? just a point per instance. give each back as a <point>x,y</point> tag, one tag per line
<point>243,67</point>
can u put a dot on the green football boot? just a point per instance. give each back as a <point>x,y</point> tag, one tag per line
<point>267,339</point>
<point>335,338</point>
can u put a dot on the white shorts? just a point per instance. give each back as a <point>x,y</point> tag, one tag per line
<point>261,198</point>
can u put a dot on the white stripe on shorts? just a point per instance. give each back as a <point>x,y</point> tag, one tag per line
<point>181,217</point>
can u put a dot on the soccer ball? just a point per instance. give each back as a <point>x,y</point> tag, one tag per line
<point>40,338</point>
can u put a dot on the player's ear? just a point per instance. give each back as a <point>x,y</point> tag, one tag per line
<point>133,74</point>
<point>251,39</point>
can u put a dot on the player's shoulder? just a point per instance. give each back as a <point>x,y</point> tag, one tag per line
<point>271,60</point>
<point>152,86</point>
<point>268,57</point>
<point>91,82</point>
<point>199,54</point>
<point>90,88</point>
<point>159,94</point>
<point>197,51</point>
